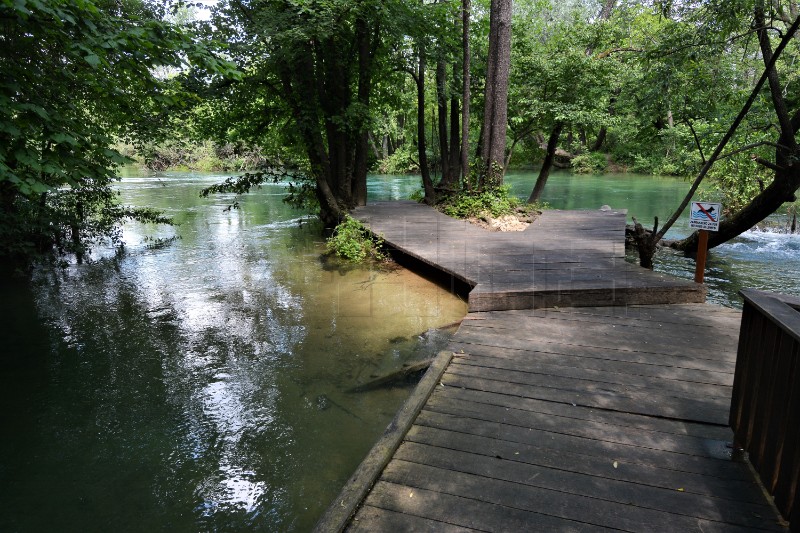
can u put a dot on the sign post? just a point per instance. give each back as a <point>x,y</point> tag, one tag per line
<point>704,217</point>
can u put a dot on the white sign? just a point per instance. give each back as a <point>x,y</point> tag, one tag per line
<point>705,215</point>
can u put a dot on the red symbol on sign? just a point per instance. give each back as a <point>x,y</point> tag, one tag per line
<point>706,212</point>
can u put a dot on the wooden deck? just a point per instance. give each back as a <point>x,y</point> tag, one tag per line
<point>565,258</point>
<point>583,419</point>
<point>599,415</point>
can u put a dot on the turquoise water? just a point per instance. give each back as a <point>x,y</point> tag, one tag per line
<point>199,380</point>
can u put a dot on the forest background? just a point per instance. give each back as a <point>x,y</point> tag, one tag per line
<point>320,92</point>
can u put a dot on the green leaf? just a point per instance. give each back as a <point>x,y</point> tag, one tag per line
<point>93,60</point>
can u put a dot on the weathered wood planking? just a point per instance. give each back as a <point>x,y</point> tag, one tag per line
<point>581,419</point>
<point>565,258</point>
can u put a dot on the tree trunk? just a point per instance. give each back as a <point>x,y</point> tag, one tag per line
<point>427,183</point>
<point>544,173</point>
<point>455,140</point>
<point>495,114</point>
<point>441,107</point>
<point>465,13</point>
<point>607,9</point>
<point>374,146</point>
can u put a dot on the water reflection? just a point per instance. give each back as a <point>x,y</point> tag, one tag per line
<point>201,384</point>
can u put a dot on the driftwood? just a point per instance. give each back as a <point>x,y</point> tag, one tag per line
<point>393,378</point>
<point>630,239</point>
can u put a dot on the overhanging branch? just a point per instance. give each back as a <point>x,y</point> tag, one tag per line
<point>734,126</point>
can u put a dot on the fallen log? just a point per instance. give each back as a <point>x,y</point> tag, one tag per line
<point>394,378</point>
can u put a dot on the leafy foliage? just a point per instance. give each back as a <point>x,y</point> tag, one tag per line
<point>76,76</point>
<point>589,163</point>
<point>496,201</point>
<point>301,190</point>
<point>352,241</point>
<point>206,156</point>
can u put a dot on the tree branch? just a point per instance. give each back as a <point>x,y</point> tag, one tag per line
<point>769,164</point>
<point>696,140</point>
<point>770,64</point>
<point>749,147</point>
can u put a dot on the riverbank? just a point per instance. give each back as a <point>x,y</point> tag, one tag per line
<point>177,156</point>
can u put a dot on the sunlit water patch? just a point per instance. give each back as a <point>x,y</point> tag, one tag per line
<point>199,380</point>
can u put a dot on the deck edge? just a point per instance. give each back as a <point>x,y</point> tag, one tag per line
<point>345,505</point>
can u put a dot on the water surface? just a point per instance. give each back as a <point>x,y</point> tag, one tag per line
<point>199,380</point>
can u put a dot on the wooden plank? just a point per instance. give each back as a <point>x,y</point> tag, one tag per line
<point>689,445</point>
<point>580,413</point>
<point>466,512</point>
<point>720,326</point>
<point>370,519</point>
<point>632,379</point>
<point>675,500</point>
<point>598,336</point>
<point>610,451</point>
<point>707,482</point>
<point>591,381</point>
<point>575,295</point>
<point>782,309</point>
<point>706,315</point>
<point>710,412</point>
<point>556,348</point>
<point>556,504</point>
<point>475,352</point>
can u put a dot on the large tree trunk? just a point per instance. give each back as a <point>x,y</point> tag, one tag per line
<point>465,13</point>
<point>450,148</point>
<point>441,106</point>
<point>427,183</point>
<point>455,139</point>
<point>367,39</point>
<point>547,165</point>
<point>607,9</point>
<point>495,114</point>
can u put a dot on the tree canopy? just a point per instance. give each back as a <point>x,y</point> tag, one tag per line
<point>75,77</point>
<point>333,89</point>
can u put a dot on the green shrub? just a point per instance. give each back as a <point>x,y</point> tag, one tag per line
<point>400,162</point>
<point>496,202</point>
<point>418,195</point>
<point>589,163</point>
<point>352,241</point>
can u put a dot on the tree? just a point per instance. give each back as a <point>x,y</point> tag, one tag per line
<point>465,95</point>
<point>556,85</point>
<point>75,77</point>
<point>495,112</point>
<point>786,120</point>
<point>311,66</point>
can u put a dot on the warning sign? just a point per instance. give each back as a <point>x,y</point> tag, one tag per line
<point>705,215</point>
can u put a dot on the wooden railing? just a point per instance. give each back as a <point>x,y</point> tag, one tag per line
<point>765,405</point>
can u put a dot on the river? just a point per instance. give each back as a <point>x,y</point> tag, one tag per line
<point>199,379</point>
